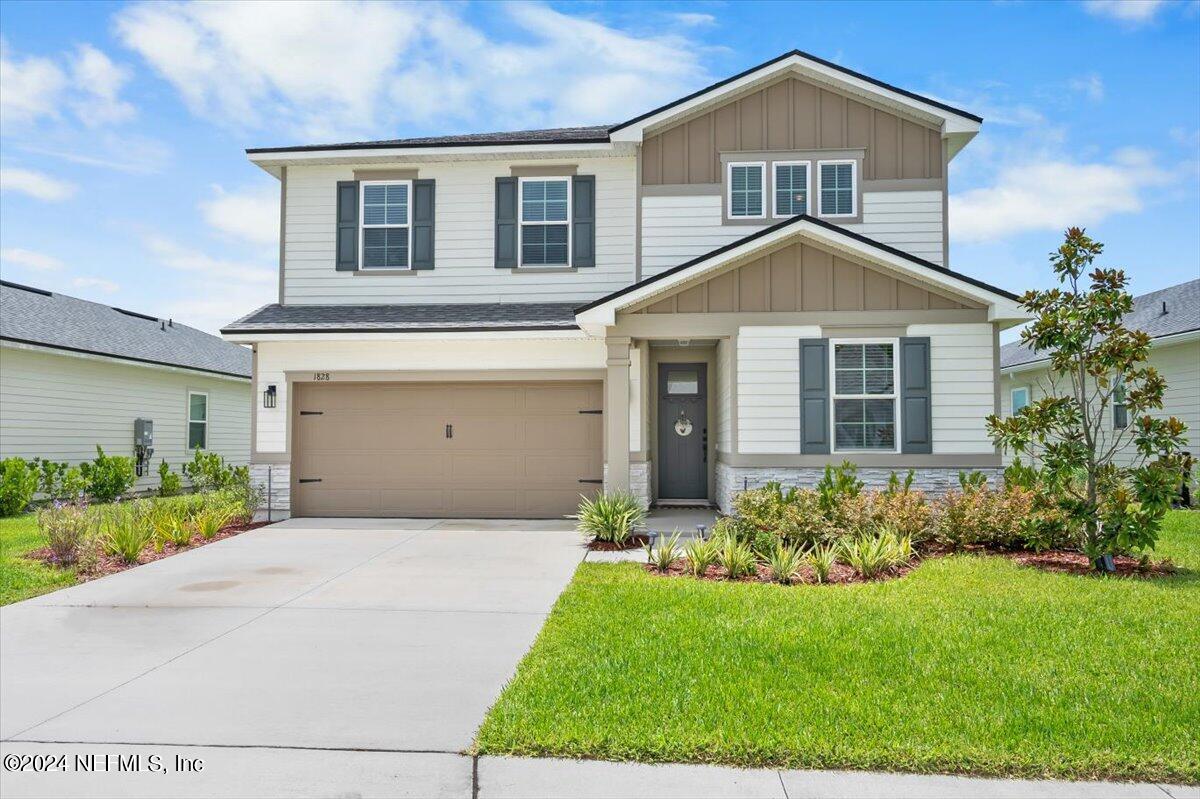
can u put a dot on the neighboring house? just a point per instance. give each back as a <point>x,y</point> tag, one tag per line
<point>746,284</point>
<point>1171,317</point>
<point>74,374</point>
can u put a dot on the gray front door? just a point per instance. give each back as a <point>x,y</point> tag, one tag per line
<point>682,431</point>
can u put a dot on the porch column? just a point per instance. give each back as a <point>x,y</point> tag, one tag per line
<point>616,414</point>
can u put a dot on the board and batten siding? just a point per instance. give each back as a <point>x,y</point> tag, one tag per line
<point>768,386</point>
<point>1178,363</point>
<point>444,360</point>
<point>464,240</point>
<point>59,406</point>
<point>678,228</point>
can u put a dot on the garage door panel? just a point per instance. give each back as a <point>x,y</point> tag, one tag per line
<point>405,467</point>
<point>491,399</point>
<point>484,433</point>
<point>413,502</point>
<point>325,501</point>
<point>562,433</point>
<point>552,468</point>
<point>485,502</point>
<point>496,469</point>
<point>562,398</point>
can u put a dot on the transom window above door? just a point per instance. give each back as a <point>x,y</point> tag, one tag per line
<point>385,224</point>
<point>791,188</point>
<point>864,396</point>
<point>747,190</point>
<point>545,224</point>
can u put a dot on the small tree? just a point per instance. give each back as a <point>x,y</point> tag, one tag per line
<point>1100,363</point>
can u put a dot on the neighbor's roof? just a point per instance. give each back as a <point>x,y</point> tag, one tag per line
<point>34,316</point>
<point>1166,312</point>
<point>597,134</point>
<point>441,318</point>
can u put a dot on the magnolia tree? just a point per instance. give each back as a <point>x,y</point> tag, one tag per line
<point>1112,483</point>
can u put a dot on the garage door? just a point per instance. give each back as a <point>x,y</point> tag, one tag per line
<point>505,450</point>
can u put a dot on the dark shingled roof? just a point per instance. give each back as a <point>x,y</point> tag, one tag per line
<point>34,316</point>
<point>588,134</point>
<point>1182,316</point>
<point>407,318</point>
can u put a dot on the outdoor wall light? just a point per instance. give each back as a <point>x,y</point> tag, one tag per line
<point>269,397</point>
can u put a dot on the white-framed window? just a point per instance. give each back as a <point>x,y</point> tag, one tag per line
<point>545,222</point>
<point>385,239</point>
<point>837,190</point>
<point>865,380</point>
<point>1120,410</point>
<point>197,420</point>
<point>1020,398</point>
<point>790,187</point>
<point>746,192</point>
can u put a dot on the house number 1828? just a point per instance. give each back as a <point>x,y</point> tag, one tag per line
<point>320,375</point>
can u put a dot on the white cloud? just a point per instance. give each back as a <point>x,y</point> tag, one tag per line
<point>99,83</point>
<point>36,184</point>
<point>30,259</point>
<point>121,152</point>
<point>251,214</point>
<point>1130,12</point>
<point>1091,86</point>
<point>32,87</point>
<point>183,259</point>
<point>1054,194</point>
<point>337,70</point>
<point>693,19</point>
<point>98,283</point>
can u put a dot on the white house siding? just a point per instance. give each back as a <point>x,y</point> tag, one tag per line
<point>962,371</point>
<point>445,357</point>
<point>725,395</point>
<point>676,229</point>
<point>1178,363</point>
<point>60,406</point>
<point>464,240</point>
<point>768,387</point>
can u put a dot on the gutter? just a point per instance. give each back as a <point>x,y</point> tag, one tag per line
<point>111,356</point>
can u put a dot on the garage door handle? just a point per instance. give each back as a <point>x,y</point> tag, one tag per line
<point>584,480</point>
<point>449,431</point>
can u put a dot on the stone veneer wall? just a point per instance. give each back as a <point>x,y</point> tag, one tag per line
<point>639,480</point>
<point>932,480</point>
<point>281,489</point>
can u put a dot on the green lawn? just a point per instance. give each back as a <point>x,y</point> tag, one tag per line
<point>968,664</point>
<point>21,578</point>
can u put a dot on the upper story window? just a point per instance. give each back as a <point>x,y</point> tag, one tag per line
<point>385,224</point>
<point>838,193</point>
<point>864,395</point>
<point>791,188</point>
<point>197,420</point>
<point>545,225</point>
<point>1120,409</point>
<point>1020,399</point>
<point>747,191</point>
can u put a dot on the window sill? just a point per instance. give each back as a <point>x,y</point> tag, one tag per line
<point>387,272</point>
<point>542,270</point>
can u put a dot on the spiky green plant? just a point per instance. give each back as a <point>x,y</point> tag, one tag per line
<point>821,560</point>
<point>612,516</point>
<point>785,563</point>
<point>210,521</point>
<point>666,553</point>
<point>700,554</point>
<point>737,559</point>
<point>125,533</point>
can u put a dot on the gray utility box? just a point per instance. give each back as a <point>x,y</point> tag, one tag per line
<point>143,432</point>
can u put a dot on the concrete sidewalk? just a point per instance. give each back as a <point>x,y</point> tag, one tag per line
<point>253,771</point>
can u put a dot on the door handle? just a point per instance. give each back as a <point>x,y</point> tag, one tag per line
<point>449,431</point>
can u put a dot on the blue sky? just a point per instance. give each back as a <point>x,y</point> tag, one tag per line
<point>122,126</point>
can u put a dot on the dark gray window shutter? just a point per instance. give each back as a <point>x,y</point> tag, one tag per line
<point>422,224</point>
<point>583,220</point>
<point>916,404</point>
<point>347,225</point>
<point>506,223</point>
<point>814,396</point>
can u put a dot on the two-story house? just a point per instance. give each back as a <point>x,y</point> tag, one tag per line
<point>746,284</point>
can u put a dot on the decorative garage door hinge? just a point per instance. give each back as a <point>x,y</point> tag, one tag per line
<point>585,480</point>
<point>592,411</point>
<point>311,413</point>
<point>310,479</point>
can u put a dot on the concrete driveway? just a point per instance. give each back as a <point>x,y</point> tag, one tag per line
<point>314,650</point>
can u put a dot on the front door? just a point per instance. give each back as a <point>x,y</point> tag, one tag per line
<point>682,431</point>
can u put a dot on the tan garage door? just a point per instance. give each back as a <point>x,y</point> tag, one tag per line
<point>506,450</point>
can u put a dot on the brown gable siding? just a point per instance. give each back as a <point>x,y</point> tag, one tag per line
<point>792,114</point>
<point>801,277</point>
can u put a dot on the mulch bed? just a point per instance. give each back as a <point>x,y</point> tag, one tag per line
<point>1064,562</point>
<point>637,541</point>
<point>839,574</point>
<point>111,564</point>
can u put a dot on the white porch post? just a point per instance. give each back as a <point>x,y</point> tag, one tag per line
<point>616,414</point>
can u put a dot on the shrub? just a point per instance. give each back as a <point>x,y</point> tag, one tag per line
<point>874,555</point>
<point>907,513</point>
<point>169,483</point>
<point>66,528</point>
<point>765,516</point>
<point>611,516</point>
<point>895,486</point>
<point>126,532</point>
<point>109,476</point>
<point>735,557</point>
<point>74,485</point>
<point>785,563</point>
<point>837,483</point>
<point>700,555</point>
<point>242,494</point>
<point>208,472</point>
<point>662,556</point>
<point>50,476</point>
<point>821,559</point>
<point>972,481</point>
<point>983,517</point>
<point>1018,475</point>
<point>18,482</point>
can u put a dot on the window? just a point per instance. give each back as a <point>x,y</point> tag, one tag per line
<point>545,228</point>
<point>683,383</point>
<point>837,195</point>
<point>1120,412</point>
<point>747,190</point>
<point>1020,398</point>
<point>385,228</point>
<point>864,396</point>
<point>197,420</point>
<point>791,188</point>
